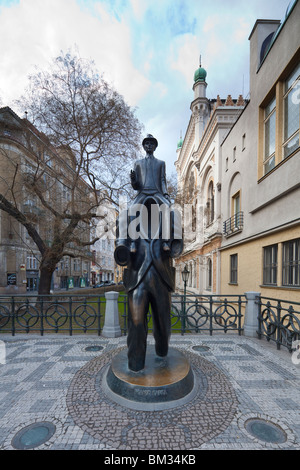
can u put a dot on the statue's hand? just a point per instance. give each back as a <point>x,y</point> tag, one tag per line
<point>166,247</point>
<point>132,175</point>
<point>166,195</point>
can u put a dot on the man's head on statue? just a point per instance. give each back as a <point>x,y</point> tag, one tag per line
<point>150,144</point>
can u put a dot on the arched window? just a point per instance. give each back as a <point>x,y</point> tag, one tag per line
<point>194,216</point>
<point>191,185</point>
<point>210,203</point>
<point>191,275</point>
<point>209,273</point>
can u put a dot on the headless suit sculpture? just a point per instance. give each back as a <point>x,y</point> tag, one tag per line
<point>149,278</point>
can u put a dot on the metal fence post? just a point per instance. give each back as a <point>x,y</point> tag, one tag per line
<point>70,316</point>
<point>99,315</point>
<point>42,317</point>
<point>13,316</point>
<point>240,329</point>
<point>111,327</point>
<point>211,302</point>
<point>278,324</point>
<point>251,314</point>
<point>183,313</point>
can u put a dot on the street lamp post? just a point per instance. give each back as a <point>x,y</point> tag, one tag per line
<point>185,276</point>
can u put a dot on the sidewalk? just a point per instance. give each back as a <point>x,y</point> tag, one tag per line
<point>247,397</point>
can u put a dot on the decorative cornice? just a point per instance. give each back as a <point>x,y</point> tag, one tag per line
<point>223,114</point>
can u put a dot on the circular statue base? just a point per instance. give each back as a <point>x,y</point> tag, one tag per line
<point>163,383</point>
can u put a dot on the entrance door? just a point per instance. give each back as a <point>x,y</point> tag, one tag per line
<point>236,209</point>
<point>32,284</point>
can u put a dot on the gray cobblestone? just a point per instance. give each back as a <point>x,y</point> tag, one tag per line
<point>40,382</point>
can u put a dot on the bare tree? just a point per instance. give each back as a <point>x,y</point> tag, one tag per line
<point>80,140</point>
<point>172,185</point>
<point>77,109</point>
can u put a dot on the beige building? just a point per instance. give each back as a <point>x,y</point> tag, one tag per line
<point>103,267</point>
<point>198,167</point>
<point>25,154</point>
<point>260,174</point>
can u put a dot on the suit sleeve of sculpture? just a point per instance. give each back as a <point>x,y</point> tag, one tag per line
<point>164,181</point>
<point>134,176</point>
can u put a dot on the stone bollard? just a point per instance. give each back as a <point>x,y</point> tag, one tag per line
<point>251,314</point>
<point>111,327</point>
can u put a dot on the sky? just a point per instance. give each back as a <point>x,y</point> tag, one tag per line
<point>148,50</point>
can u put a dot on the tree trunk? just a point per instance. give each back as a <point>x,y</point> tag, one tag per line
<point>46,271</point>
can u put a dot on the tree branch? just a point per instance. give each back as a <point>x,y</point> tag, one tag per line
<point>13,211</point>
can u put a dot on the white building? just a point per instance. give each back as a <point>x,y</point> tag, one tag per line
<point>199,169</point>
<point>103,263</point>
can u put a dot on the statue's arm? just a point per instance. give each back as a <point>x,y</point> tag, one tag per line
<point>134,178</point>
<point>164,181</point>
<point>121,253</point>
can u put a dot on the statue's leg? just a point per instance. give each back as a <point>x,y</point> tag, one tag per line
<point>138,305</point>
<point>161,310</point>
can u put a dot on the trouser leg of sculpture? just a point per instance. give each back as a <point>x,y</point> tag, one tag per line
<point>151,291</point>
<point>138,305</point>
<point>161,305</point>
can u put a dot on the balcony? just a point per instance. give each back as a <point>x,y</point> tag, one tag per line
<point>234,224</point>
<point>32,210</point>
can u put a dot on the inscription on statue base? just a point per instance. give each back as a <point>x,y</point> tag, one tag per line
<point>167,380</point>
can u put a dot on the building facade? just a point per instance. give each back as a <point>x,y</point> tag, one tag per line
<point>260,249</point>
<point>103,263</point>
<point>103,266</point>
<point>25,156</point>
<point>198,167</point>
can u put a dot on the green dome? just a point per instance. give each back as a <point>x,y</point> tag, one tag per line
<point>180,142</point>
<point>200,75</point>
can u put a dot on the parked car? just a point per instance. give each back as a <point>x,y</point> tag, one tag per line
<point>105,283</point>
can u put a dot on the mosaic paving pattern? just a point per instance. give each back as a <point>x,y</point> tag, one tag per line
<point>39,382</point>
<point>185,427</point>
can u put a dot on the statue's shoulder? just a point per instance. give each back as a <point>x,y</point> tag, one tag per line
<point>142,161</point>
<point>159,163</point>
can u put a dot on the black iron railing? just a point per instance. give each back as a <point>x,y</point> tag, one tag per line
<point>51,314</point>
<point>279,321</point>
<point>233,224</point>
<point>211,313</point>
<point>71,314</point>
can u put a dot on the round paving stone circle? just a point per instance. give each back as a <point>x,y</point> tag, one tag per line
<point>281,435</point>
<point>33,435</point>
<point>94,348</point>
<point>265,431</point>
<point>188,426</point>
<point>201,348</point>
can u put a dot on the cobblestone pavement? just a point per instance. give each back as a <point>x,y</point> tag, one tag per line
<point>247,398</point>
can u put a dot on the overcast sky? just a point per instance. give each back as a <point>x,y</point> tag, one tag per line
<point>147,49</point>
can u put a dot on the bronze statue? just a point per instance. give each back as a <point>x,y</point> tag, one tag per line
<point>149,278</point>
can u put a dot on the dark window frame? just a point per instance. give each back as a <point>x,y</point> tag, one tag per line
<point>270,265</point>
<point>234,269</point>
<point>291,263</point>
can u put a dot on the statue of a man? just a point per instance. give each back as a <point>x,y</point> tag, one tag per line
<point>149,175</point>
<point>149,278</point>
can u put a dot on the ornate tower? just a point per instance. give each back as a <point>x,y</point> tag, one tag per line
<point>200,105</point>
